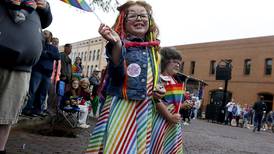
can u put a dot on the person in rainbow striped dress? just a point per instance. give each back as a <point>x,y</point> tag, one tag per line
<point>166,135</point>
<point>125,122</point>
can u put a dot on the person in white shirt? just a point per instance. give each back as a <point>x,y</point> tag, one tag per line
<point>229,107</point>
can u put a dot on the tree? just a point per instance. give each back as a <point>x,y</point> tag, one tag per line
<point>106,5</point>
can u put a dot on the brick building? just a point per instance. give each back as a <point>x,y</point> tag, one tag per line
<point>252,71</point>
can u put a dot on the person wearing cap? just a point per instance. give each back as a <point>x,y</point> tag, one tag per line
<point>94,82</point>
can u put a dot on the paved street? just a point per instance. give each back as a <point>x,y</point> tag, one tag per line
<point>28,140</point>
<point>201,137</point>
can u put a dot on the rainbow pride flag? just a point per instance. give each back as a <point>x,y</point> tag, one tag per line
<point>174,95</point>
<point>80,4</point>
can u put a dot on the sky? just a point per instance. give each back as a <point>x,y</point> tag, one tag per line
<point>180,21</point>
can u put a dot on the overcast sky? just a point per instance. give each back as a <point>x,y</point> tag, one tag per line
<point>179,21</point>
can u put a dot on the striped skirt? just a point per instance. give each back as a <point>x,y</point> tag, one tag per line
<point>124,127</point>
<point>166,138</point>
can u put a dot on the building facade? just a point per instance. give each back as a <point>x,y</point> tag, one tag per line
<point>92,53</point>
<point>252,71</point>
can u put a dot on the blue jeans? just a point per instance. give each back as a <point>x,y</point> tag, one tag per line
<point>38,90</point>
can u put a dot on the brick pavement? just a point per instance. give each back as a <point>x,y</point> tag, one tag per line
<point>28,139</point>
<point>202,137</point>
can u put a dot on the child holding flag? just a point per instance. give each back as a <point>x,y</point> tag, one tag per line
<point>167,131</point>
<point>125,122</point>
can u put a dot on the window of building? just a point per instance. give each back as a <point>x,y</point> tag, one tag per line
<point>98,54</point>
<point>247,66</point>
<point>91,68</point>
<point>85,55</point>
<point>94,52</point>
<point>268,66</point>
<point>212,68</point>
<point>87,71</point>
<point>192,67</point>
<point>89,55</point>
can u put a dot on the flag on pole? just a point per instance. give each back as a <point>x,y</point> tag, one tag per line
<point>174,95</point>
<point>80,4</point>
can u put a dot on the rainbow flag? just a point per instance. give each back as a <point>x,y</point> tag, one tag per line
<point>174,95</point>
<point>80,4</point>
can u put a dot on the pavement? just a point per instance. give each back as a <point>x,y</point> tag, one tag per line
<point>202,137</point>
<point>37,136</point>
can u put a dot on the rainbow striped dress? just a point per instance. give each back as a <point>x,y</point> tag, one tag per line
<point>167,138</point>
<point>124,126</point>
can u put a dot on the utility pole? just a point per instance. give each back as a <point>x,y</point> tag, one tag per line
<point>223,72</point>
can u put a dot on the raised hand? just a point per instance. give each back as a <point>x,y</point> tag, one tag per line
<point>41,4</point>
<point>109,34</point>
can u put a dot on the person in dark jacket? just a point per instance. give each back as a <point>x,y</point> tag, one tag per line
<point>40,78</point>
<point>66,64</point>
<point>260,108</point>
<point>20,49</point>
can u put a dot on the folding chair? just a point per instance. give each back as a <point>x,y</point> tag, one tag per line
<point>69,115</point>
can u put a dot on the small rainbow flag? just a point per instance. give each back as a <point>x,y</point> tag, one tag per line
<point>174,95</point>
<point>80,4</point>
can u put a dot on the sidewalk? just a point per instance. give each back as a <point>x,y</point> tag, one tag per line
<point>37,136</point>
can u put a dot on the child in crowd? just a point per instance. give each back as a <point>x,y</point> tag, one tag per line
<point>125,123</point>
<point>167,134</point>
<point>19,15</point>
<point>85,93</point>
<point>73,99</point>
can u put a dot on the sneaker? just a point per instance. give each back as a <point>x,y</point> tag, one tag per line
<point>91,115</point>
<point>84,126</point>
